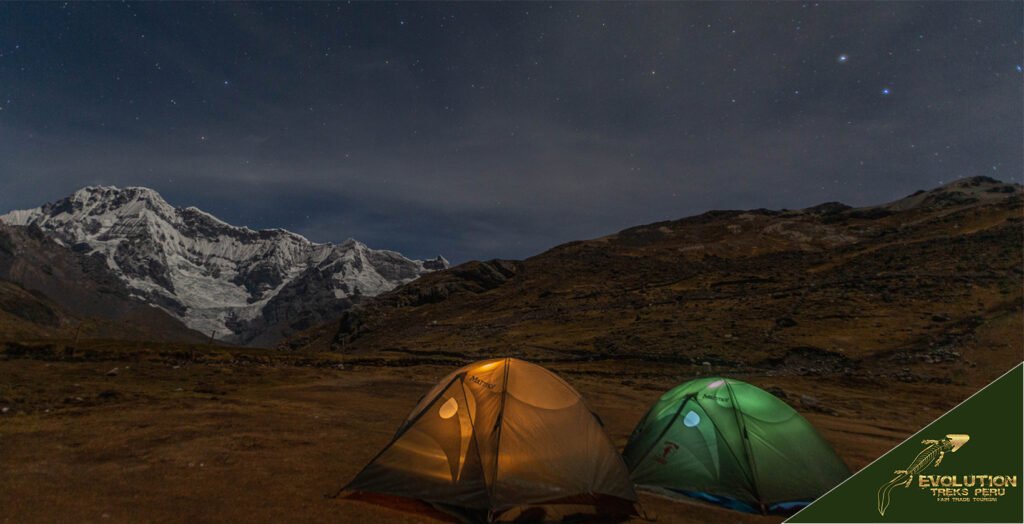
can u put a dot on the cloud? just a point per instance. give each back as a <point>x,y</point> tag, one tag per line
<point>479,131</point>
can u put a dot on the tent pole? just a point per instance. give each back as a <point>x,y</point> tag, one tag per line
<point>667,426</point>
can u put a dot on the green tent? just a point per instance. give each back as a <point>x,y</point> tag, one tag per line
<point>734,444</point>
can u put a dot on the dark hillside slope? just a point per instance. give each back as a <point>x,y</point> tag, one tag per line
<point>927,288</point>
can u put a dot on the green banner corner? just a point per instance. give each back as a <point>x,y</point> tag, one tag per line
<point>964,467</point>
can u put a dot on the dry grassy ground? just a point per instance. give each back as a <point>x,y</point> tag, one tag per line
<point>228,435</point>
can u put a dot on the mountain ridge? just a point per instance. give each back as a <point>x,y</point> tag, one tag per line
<point>234,283</point>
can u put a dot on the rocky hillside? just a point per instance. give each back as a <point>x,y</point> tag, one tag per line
<point>238,284</point>
<point>924,288</point>
<point>47,290</point>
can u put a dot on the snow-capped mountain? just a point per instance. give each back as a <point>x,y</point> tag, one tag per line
<point>239,284</point>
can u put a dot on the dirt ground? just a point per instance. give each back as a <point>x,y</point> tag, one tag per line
<point>235,441</point>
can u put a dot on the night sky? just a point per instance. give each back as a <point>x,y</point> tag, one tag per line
<point>500,130</point>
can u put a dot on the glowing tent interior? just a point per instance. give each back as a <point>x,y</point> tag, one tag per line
<point>734,444</point>
<point>502,439</point>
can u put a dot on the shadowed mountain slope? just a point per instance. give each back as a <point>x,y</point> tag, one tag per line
<point>49,290</point>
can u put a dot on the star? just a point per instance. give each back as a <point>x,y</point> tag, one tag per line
<point>885,91</point>
<point>225,82</point>
<point>843,58</point>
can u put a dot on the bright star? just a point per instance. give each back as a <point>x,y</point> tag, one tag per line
<point>885,91</point>
<point>843,58</point>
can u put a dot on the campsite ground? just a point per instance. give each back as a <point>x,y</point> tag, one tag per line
<point>239,436</point>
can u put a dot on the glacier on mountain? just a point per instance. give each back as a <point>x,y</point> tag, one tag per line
<point>238,284</point>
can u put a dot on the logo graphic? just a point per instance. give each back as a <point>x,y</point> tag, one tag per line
<point>980,483</point>
<point>668,449</point>
<point>931,455</point>
<point>477,380</point>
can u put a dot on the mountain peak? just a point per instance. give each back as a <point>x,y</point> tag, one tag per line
<point>960,191</point>
<point>102,200</point>
<point>115,189</point>
<point>118,193</point>
<point>974,181</point>
<point>437,263</point>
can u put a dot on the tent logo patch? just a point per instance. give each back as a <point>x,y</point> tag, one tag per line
<point>944,488</point>
<point>477,380</point>
<point>716,398</point>
<point>668,449</point>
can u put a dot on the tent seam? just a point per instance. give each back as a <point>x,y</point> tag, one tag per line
<point>718,431</point>
<point>747,447</point>
<point>497,443</point>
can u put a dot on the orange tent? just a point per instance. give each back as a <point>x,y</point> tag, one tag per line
<point>499,439</point>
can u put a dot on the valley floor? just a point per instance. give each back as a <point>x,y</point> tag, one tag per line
<point>169,439</point>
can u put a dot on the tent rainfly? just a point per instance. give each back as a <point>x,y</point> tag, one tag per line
<point>734,444</point>
<point>503,439</point>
